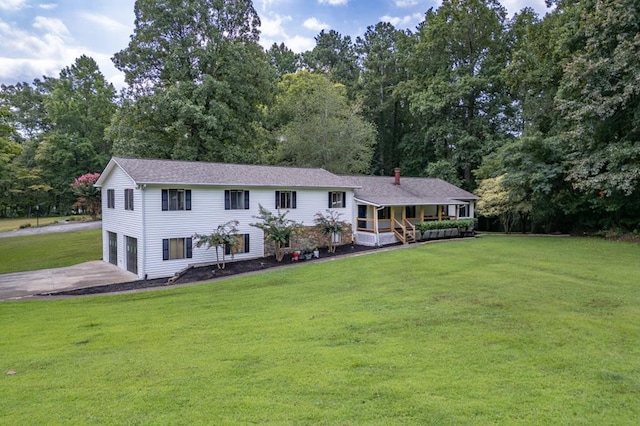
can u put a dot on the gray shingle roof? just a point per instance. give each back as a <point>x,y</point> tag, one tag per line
<point>382,191</point>
<point>172,172</point>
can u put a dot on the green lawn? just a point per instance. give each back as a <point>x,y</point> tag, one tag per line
<point>49,250</point>
<point>497,330</point>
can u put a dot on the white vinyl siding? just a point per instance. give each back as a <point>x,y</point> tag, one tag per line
<point>120,221</point>
<point>150,225</point>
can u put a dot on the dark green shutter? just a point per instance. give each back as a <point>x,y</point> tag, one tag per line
<point>227,199</point>
<point>293,199</point>
<point>165,199</point>
<point>246,243</point>
<point>165,249</point>
<point>344,199</point>
<point>189,244</point>
<point>277,199</point>
<point>187,197</point>
<point>246,200</point>
<point>330,193</point>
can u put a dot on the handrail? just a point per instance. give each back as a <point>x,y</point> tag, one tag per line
<point>410,225</point>
<point>403,236</point>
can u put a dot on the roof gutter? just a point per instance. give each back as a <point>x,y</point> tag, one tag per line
<point>369,203</point>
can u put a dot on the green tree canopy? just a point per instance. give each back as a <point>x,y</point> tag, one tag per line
<point>79,107</point>
<point>456,87</point>
<point>320,127</point>
<point>383,52</point>
<point>199,81</point>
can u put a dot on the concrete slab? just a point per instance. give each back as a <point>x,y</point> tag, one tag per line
<point>22,285</point>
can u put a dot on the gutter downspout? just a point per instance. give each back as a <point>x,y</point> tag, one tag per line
<point>375,221</point>
<point>143,274</point>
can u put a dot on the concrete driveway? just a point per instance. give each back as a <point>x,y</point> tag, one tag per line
<point>21,285</point>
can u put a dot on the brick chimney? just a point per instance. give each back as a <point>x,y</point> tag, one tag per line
<point>397,170</point>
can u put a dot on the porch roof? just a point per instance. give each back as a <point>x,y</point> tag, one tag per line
<point>382,191</point>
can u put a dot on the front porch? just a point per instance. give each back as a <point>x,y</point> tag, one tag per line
<point>383,225</point>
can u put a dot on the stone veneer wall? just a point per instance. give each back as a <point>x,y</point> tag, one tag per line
<point>310,237</point>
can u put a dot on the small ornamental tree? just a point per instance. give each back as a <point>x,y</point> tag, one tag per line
<point>496,201</point>
<point>330,225</point>
<point>277,228</point>
<point>224,235</point>
<point>88,195</point>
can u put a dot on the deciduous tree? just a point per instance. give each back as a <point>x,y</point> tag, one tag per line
<point>276,228</point>
<point>319,127</point>
<point>225,234</point>
<point>199,81</point>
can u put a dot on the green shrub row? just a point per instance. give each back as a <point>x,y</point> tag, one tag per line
<point>445,224</point>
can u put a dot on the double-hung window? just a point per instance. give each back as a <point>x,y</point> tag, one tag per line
<point>177,248</point>
<point>286,199</point>
<point>464,211</point>
<point>176,199</point>
<point>111,198</point>
<point>128,199</point>
<point>241,247</point>
<point>236,199</point>
<point>337,199</point>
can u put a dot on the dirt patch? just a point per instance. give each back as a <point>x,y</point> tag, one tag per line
<point>209,273</point>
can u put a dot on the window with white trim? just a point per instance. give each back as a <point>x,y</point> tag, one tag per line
<point>242,247</point>
<point>128,199</point>
<point>236,199</point>
<point>286,199</point>
<point>111,198</point>
<point>337,199</point>
<point>176,199</point>
<point>177,248</point>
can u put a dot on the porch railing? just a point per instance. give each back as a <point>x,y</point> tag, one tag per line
<point>408,233</point>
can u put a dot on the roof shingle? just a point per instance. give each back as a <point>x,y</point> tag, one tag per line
<point>382,190</point>
<point>173,172</point>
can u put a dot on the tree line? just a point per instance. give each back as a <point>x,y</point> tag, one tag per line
<point>540,115</point>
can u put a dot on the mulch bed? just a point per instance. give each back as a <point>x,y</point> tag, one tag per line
<point>208,273</point>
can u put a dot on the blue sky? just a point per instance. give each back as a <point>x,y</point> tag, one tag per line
<point>40,37</point>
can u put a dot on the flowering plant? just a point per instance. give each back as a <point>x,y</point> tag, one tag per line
<point>88,195</point>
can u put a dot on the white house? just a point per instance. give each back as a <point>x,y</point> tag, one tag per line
<point>152,208</point>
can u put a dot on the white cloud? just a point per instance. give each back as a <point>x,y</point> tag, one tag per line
<point>51,26</point>
<point>264,4</point>
<point>33,54</point>
<point>314,24</point>
<point>300,44</point>
<point>105,22</point>
<point>273,25</point>
<point>407,3</point>
<point>47,6</point>
<point>403,21</point>
<point>334,2</point>
<point>12,4</point>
